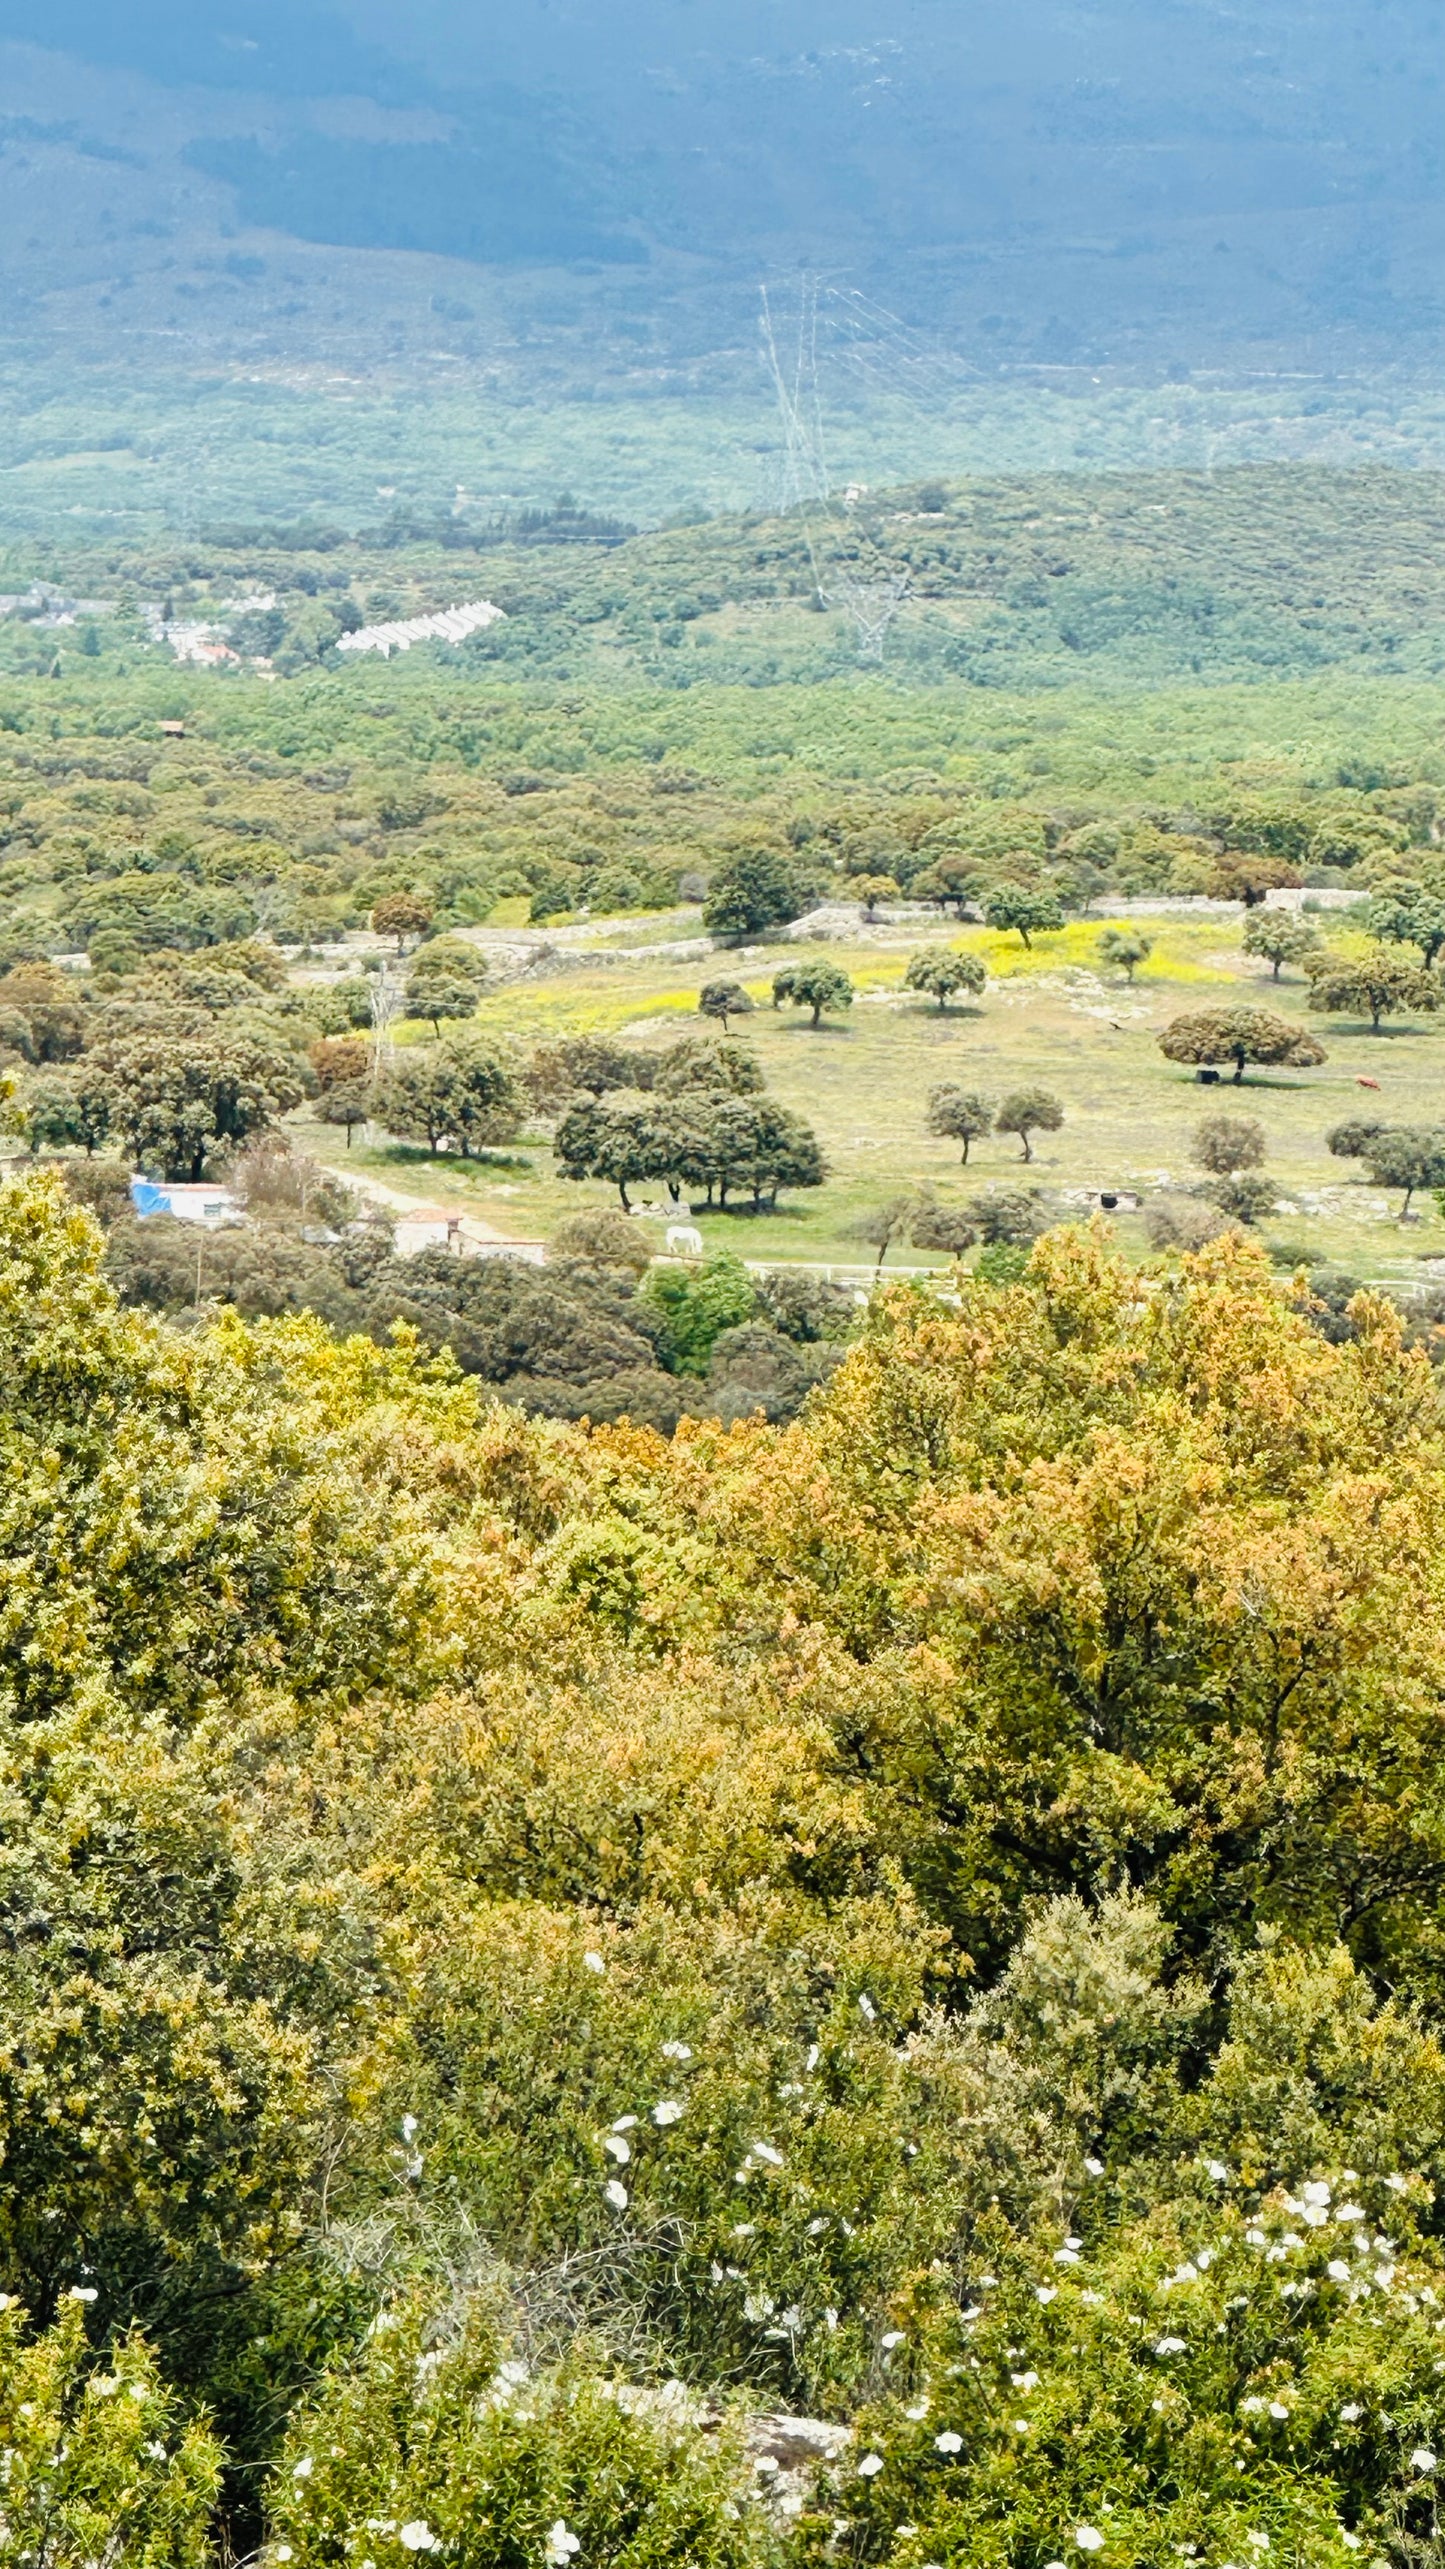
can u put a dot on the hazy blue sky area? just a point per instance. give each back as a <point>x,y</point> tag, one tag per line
<point>579,198</point>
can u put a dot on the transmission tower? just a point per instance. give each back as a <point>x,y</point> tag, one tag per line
<point>805,466</point>
<point>872,604</point>
<point>386,1006</point>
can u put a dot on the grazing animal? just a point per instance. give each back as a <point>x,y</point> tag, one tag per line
<point>1361,1082</point>
<point>683,1241</point>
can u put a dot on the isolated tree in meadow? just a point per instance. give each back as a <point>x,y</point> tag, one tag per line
<point>433,996</point>
<point>1239,1035</point>
<point>588,1064</point>
<point>723,1000</point>
<point>1402,914</point>
<point>889,1224</point>
<point>348,1103</point>
<point>1279,937</point>
<point>1408,1156</point>
<point>1125,949</point>
<point>870,889</point>
<point>1013,906</point>
<point>1232,1148</point>
<point>462,1091</point>
<point>401,915</point>
<point>960,1114</point>
<point>1375,986</point>
<point>1028,1111</point>
<point>943,973</point>
<point>945,1227</point>
<point>818,985</point>
<point>1225,1143</point>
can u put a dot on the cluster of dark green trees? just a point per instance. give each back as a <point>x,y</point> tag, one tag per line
<point>696,1119</point>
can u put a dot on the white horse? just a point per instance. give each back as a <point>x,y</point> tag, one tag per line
<point>683,1241</point>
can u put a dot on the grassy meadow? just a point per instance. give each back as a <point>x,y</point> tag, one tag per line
<point>1052,1016</point>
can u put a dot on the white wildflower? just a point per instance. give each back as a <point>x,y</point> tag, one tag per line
<point>1170,2346</point>
<point>948,2442</point>
<point>1398,2185</point>
<point>1024,2381</point>
<point>420,2537</point>
<point>817,2225</point>
<point>1351,2541</point>
<point>1216,2168</point>
<point>867,2008</point>
<point>1351,2411</point>
<point>82,2292</point>
<point>282,2551</point>
<point>1257,2541</point>
<point>1348,2212</point>
<point>1066,2256</point>
<point>1384,2277</point>
<point>615,2193</point>
<point>594,1962</point>
<point>813,2056</point>
<point>617,2148</point>
<point>766,2463</point>
<point>1277,2409</point>
<point>1088,2537</point>
<point>304,2468</point>
<point>1316,2192</point>
<point>1045,2293</point>
<point>765,2151</point>
<point>562,2544</point>
<point>409,2127</point>
<point>870,2466</point>
<point>677,2051</point>
<point>1095,2167</point>
<point>1422,2459</point>
<point>891,2337</point>
<point>668,2111</point>
<point>1338,2270</point>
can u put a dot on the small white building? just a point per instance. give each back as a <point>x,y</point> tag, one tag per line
<point>213,1206</point>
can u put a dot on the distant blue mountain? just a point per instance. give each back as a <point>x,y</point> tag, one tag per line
<point>1062,179</point>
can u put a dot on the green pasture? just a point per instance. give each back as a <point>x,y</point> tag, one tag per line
<point>1054,1016</point>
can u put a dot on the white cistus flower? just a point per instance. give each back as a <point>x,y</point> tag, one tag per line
<point>562,2544</point>
<point>669,2111</point>
<point>594,1962</point>
<point>1088,2537</point>
<point>615,2193</point>
<point>948,2442</point>
<point>870,2466</point>
<point>1422,2459</point>
<point>418,2536</point>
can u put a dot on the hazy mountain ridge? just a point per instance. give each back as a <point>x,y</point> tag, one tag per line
<point>1131,182</point>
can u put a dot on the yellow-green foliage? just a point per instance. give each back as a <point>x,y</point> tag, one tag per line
<point>97,2461</point>
<point>692,1911</point>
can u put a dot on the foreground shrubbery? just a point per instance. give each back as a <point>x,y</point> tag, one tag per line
<point>499,1919</point>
